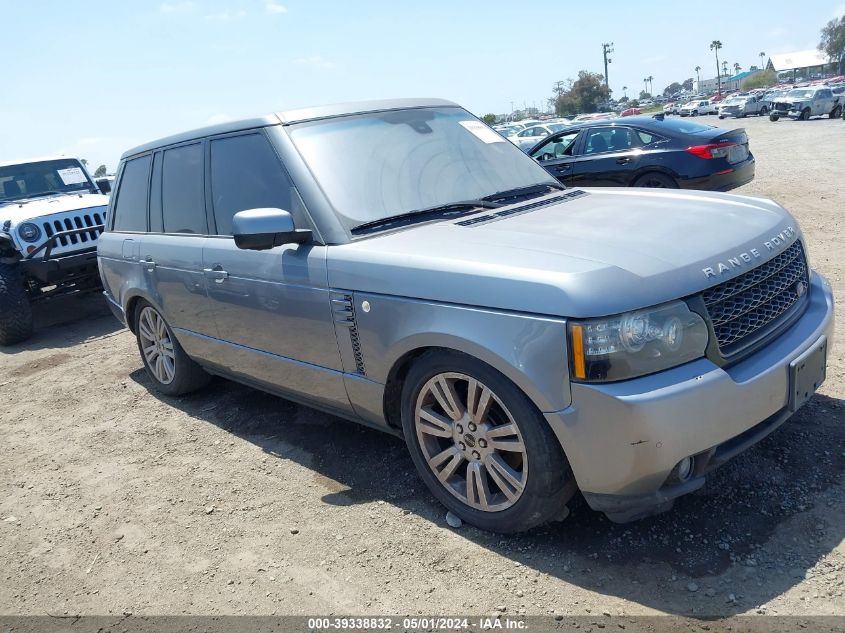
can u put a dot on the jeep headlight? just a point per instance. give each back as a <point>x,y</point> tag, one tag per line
<point>29,232</point>
<point>636,343</point>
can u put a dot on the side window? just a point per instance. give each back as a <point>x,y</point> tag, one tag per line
<point>622,138</point>
<point>597,141</point>
<point>556,148</point>
<point>246,174</point>
<point>824,94</point>
<point>647,138</point>
<point>182,193</point>
<point>130,209</point>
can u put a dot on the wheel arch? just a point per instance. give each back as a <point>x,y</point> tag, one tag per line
<point>648,169</point>
<point>130,305</point>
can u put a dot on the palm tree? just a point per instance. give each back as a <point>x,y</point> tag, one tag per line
<point>651,84</point>
<point>715,45</point>
<point>625,91</point>
<point>645,84</point>
<point>762,56</point>
<point>737,68</point>
<point>697,76</point>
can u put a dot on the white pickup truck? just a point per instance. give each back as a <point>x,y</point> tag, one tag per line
<point>802,103</point>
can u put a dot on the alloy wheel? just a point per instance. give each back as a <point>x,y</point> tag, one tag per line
<point>471,442</point>
<point>156,345</point>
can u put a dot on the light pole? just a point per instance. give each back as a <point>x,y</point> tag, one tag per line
<point>762,56</point>
<point>715,45</point>
<point>697,79</point>
<point>606,48</point>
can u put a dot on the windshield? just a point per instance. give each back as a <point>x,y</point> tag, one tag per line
<point>557,127</point>
<point>381,164</point>
<point>800,93</point>
<point>30,180</point>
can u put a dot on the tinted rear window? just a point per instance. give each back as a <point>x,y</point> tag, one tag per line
<point>684,126</point>
<point>182,190</point>
<point>246,174</point>
<point>130,210</point>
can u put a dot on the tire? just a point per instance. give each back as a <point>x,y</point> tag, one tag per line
<point>764,111</point>
<point>171,370</point>
<point>15,310</point>
<point>655,180</point>
<point>836,112</point>
<point>773,117</point>
<point>721,116</point>
<point>540,493</point>
<point>805,115</point>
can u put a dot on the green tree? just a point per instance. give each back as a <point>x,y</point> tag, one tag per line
<point>101,171</point>
<point>644,95</point>
<point>687,85</point>
<point>489,119</point>
<point>760,80</point>
<point>84,162</point>
<point>832,42</point>
<point>586,94</point>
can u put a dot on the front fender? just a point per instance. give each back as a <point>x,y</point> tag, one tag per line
<point>530,350</point>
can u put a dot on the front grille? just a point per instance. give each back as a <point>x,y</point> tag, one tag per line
<point>74,220</point>
<point>745,308</point>
<point>782,107</point>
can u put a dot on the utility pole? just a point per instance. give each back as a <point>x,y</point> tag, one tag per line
<point>607,48</point>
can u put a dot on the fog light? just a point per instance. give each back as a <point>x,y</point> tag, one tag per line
<point>684,469</point>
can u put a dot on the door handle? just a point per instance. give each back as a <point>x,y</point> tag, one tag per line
<point>148,263</point>
<point>564,167</point>
<point>623,161</point>
<point>217,274</point>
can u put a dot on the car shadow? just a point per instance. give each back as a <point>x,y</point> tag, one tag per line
<point>67,321</point>
<point>718,552</point>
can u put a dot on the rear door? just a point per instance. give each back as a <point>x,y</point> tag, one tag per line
<point>272,307</point>
<point>607,158</point>
<point>171,253</point>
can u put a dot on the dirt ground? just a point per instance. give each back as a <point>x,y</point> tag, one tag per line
<point>117,500</point>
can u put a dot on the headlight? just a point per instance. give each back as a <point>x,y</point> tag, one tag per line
<point>29,232</point>
<point>636,343</point>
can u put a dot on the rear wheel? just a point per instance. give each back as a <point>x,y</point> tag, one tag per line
<point>15,310</point>
<point>655,180</point>
<point>473,435</point>
<point>805,114</point>
<point>836,112</point>
<point>168,366</point>
<point>764,111</point>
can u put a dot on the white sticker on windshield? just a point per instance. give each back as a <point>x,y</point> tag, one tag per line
<point>483,132</point>
<point>72,175</point>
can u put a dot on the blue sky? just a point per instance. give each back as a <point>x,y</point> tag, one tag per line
<point>94,78</point>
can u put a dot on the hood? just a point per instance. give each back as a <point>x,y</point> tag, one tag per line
<point>23,210</point>
<point>603,252</point>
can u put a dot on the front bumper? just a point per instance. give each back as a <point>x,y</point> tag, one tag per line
<point>62,267</point>
<point>624,439</point>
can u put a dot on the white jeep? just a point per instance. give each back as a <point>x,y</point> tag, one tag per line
<point>51,214</point>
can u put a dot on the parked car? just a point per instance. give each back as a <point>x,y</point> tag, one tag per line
<point>648,152</point>
<point>741,107</point>
<point>51,212</point>
<point>525,341</point>
<point>528,138</point>
<point>672,108</point>
<point>700,106</point>
<point>803,103</point>
<point>631,112</point>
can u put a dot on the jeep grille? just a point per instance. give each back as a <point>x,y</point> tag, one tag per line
<point>745,309</point>
<point>81,219</point>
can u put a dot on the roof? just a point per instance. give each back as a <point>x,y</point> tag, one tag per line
<point>798,59</point>
<point>743,75</point>
<point>39,159</point>
<point>289,117</point>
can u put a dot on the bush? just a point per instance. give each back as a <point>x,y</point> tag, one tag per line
<point>760,80</point>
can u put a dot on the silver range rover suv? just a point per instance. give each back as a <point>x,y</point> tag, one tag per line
<point>400,264</point>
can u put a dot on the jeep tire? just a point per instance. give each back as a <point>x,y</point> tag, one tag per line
<point>15,311</point>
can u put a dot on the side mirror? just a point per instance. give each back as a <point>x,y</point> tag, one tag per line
<point>261,229</point>
<point>104,185</point>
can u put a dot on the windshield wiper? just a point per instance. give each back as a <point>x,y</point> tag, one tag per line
<point>519,192</point>
<point>424,214</point>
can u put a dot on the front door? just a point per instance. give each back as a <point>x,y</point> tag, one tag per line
<point>557,155</point>
<point>272,307</point>
<point>608,157</point>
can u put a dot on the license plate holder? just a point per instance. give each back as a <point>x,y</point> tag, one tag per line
<point>807,373</point>
<point>737,153</point>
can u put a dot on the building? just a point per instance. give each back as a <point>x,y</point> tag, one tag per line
<point>802,65</point>
<point>729,82</point>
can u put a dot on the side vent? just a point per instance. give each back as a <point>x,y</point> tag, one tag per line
<point>343,312</point>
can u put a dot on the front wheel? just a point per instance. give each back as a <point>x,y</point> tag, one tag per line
<point>836,112</point>
<point>15,310</point>
<point>805,115</point>
<point>773,117</point>
<point>764,111</point>
<point>172,371</point>
<point>481,447</point>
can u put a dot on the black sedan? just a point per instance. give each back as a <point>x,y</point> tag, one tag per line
<point>644,151</point>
